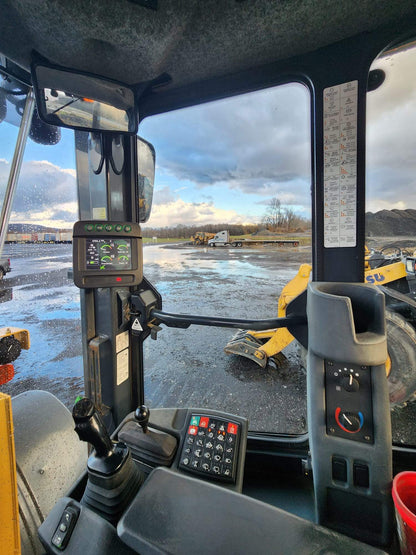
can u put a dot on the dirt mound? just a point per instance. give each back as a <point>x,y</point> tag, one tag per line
<point>391,223</point>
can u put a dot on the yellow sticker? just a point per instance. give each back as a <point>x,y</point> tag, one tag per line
<point>99,213</point>
<point>122,366</point>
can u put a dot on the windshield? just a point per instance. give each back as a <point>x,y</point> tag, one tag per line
<point>229,230</point>
<point>391,224</point>
<point>36,294</point>
<point>231,215</point>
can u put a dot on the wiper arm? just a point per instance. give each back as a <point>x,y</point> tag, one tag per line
<point>65,105</point>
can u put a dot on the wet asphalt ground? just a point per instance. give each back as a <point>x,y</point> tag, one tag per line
<point>183,367</point>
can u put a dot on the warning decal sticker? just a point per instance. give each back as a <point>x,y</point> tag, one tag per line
<point>340,165</point>
<point>122,366</point>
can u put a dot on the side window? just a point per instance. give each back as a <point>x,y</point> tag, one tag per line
<point>391,224</point>
<point>37,295</point>
<point>230,227</point>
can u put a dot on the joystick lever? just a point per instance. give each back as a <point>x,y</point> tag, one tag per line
<point>90,427</point>
<point>149,445</point>
<point>113,478</point>
<point>142,415</point>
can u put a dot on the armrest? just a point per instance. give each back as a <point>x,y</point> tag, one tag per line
<point>173,513</point>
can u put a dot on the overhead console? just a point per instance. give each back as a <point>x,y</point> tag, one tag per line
<point>348,410</point>
<point>107,254</point>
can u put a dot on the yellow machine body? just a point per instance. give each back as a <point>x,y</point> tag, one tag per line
<point>202,237</point>
<point>20,334</point>
<point>278,339</point>
<point>9,508</point>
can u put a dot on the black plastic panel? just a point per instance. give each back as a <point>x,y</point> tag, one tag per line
<point>211,447</point>
<point>349,411</point>
<point>107,254</point>
<point>91,533</point>
<point>174,513</point>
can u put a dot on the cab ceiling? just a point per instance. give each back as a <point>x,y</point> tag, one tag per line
<point>190,40</point>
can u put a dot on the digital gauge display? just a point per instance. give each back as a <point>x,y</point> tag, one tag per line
<point>108,254</point>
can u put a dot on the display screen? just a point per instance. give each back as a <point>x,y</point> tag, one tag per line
<point>108,254</point>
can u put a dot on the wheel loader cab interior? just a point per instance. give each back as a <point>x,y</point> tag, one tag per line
<point>196,479</point>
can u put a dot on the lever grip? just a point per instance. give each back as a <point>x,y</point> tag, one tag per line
<point>142,415</point>
<point>90,427</point>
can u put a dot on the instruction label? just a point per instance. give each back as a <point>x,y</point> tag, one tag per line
<point>340,165</point>
<point>122,366</point>
<point>99,213</point>
<point>122,341</point>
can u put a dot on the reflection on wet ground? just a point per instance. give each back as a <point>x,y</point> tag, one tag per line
<point>47,304</point>
<point>183,367</point>
<point>191,366</point>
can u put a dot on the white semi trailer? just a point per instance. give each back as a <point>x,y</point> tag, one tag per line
<point>222,239</point>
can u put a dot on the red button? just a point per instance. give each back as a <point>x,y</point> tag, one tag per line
<point>204,422</point>
<point>193,430</point>
<point>232,428</point>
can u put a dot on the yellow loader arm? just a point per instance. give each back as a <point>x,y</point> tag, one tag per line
<point>251,344</point>
<point>280,338</point>
<point>261,345</point>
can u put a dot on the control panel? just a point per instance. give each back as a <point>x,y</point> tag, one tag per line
<point>66,524</point>
<point>349,401</point>
<point>107,254</point>
<point>211,447</point>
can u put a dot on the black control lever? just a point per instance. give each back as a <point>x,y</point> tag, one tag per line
<point>113,478</point>
<point>142,415</point>
<point>90,427</point>
<point>186,320</point>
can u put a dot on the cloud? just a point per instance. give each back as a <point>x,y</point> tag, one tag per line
<point>163,195</point>
<point>254,143</point>
<point>293,193</point>
<point>177,211</point>
<point>258,144</point>
<point>46,193</point>
<point>391,118</point>
<point>285,198</point>
<point>380,204</point>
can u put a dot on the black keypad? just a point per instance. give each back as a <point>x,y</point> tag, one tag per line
<point>210,448</point>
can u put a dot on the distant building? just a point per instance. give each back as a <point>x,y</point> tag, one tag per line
<point>60,236</point>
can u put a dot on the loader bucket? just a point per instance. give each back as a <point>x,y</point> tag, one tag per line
<point>244,344</point>
<point>259,346</point>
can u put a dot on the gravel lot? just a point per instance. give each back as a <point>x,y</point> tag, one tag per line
<point>183,367</point>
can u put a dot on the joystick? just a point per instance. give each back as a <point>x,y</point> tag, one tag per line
<point>113,478</point>
<point>148,445</point>
<point>142,415</point>
<point>90,427</point>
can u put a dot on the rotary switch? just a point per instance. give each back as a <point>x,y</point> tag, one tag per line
<point>350,422</point>
<point>349,383</point>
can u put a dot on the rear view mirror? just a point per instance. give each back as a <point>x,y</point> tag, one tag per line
<point>82,101</point>
<point>146,179</point>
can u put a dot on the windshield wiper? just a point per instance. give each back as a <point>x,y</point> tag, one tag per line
<point>65,105</point>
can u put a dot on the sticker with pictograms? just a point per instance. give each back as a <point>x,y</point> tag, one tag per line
<point>340,165</point>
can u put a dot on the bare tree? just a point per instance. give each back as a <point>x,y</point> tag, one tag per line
<point>290,217</point>
<point>274,216</point>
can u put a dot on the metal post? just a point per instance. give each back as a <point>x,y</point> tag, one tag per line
<point>16,165</point>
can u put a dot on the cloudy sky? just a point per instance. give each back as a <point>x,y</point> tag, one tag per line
<point>224,161</point>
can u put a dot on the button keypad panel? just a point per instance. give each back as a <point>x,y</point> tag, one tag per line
<point>211,447</point>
